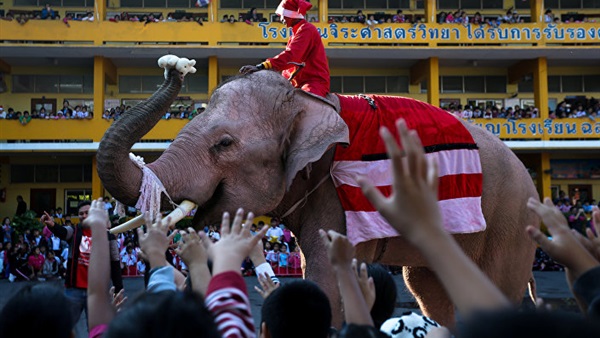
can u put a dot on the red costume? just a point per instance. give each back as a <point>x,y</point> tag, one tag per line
<point>304,45</point>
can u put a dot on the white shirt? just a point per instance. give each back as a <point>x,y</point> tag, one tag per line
<point>467,114</point>
<point>275,232</point>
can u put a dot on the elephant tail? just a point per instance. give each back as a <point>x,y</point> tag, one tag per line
<point>532,289</point>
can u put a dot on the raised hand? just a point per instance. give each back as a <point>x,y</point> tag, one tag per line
<point>235,244</point>
<point>564,246</point>
<point>155,242</point>
<point>339,249</point>
<point>97,215</point>
<point>412,207</point>
<point>191,249</point>
<point>267,286</point>
<point>118,299</point>
<point>47,219</point>
<point>367,286</point>
<point>592,242</point>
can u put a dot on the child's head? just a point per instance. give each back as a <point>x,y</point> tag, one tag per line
<point>276,247</point>
<point>42,300</point>
<point>385,294</point>
<point>267,246</point>
<point>310,303</point>
<point>164,314</point>
<point>283,249</point>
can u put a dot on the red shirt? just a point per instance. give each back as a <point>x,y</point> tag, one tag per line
<point>83,263</point>
<point>36,261</point>
<point>306,46</point>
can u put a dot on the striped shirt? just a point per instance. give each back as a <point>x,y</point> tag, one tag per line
<point>228,301</point>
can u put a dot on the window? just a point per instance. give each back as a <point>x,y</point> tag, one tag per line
<point>74,84</point>
<point>136,84</point>
<point>466,4</point>
<point>572,83</point>
<point>526,86</point>
<point>39,173</point>
<point>568,4</point>
<point>157,3</point>
<point>73,198</point>
<point>369,4</point>
<point>369,84</point>
<point>451,84</point>
<point>55,3</point>
<point>554,84</point>
<point>247,4</point>
<point>472,84</point>
<point>522,4</point>
<point>591,83</point>
<point>495,84</point>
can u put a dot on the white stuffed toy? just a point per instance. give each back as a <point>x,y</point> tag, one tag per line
<point>183,65</point>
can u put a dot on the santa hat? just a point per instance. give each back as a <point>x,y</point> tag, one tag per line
<point>295,9</point>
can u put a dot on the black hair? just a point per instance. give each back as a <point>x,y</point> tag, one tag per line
<point>83,204</point>
<point>510,323</point>
<point>293,300</point>
<point>385,294</point>
<point>33,310</point>
<point>164,314</point>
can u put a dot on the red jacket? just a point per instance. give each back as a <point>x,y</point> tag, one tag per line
<point>305,45</point>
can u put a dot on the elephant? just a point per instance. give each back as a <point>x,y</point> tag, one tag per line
<point>268,147</point>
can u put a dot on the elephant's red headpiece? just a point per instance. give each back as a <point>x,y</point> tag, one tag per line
<point>295,9</point>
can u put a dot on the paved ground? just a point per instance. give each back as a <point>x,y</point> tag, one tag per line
<point>550,285</point>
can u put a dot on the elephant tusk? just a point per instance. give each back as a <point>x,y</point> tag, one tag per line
<point>176,215</point>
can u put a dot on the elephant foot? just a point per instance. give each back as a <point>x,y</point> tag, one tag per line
<point>182,65</point>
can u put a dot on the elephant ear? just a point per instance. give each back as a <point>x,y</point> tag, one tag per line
<point>317,126</point>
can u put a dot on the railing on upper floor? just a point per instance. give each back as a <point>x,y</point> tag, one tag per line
<point>215,34</point>
<point>94,129</point>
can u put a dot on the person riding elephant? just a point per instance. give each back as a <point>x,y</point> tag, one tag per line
<point>303,61</point>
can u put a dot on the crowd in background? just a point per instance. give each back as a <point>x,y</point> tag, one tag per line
<point>67,112</point>
<point>588,109</point>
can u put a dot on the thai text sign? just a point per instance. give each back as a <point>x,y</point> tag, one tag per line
<point>445,33</point>
<point>535,128</point>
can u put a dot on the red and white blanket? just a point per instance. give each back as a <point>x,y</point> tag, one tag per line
<point>442,135</point>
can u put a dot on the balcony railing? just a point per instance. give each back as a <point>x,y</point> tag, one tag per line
<point>92,130</point>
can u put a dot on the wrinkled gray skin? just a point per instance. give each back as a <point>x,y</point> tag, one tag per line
<point>250,149</point>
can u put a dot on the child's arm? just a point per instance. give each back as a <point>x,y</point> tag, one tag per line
<point>226,297</point>
<point>154,243</point>
<point>341,253</point>
<point>194,255</point>
<point>100,309</point>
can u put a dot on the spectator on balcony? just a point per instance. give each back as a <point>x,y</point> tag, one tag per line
<point>304,46</point>
<point>88,17</point>
<point>115,18</point>
<point>47,12</point>
<point>477,19</point>
<point>467,113</point>
<point>548,16</point>
<point>371,21</point>
<point>251,16</point>
<point>232,19</point>
<point>225,18</point>
<point>360,17</point>
<point>399,17</point>
<point>25,118</point>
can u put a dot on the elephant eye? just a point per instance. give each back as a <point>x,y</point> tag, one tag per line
<point>226,141</point>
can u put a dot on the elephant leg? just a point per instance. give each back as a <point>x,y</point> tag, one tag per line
<point>430,294</point>
<point>318,270</point>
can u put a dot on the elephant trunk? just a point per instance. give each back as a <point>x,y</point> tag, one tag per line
<point>119,175</point>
